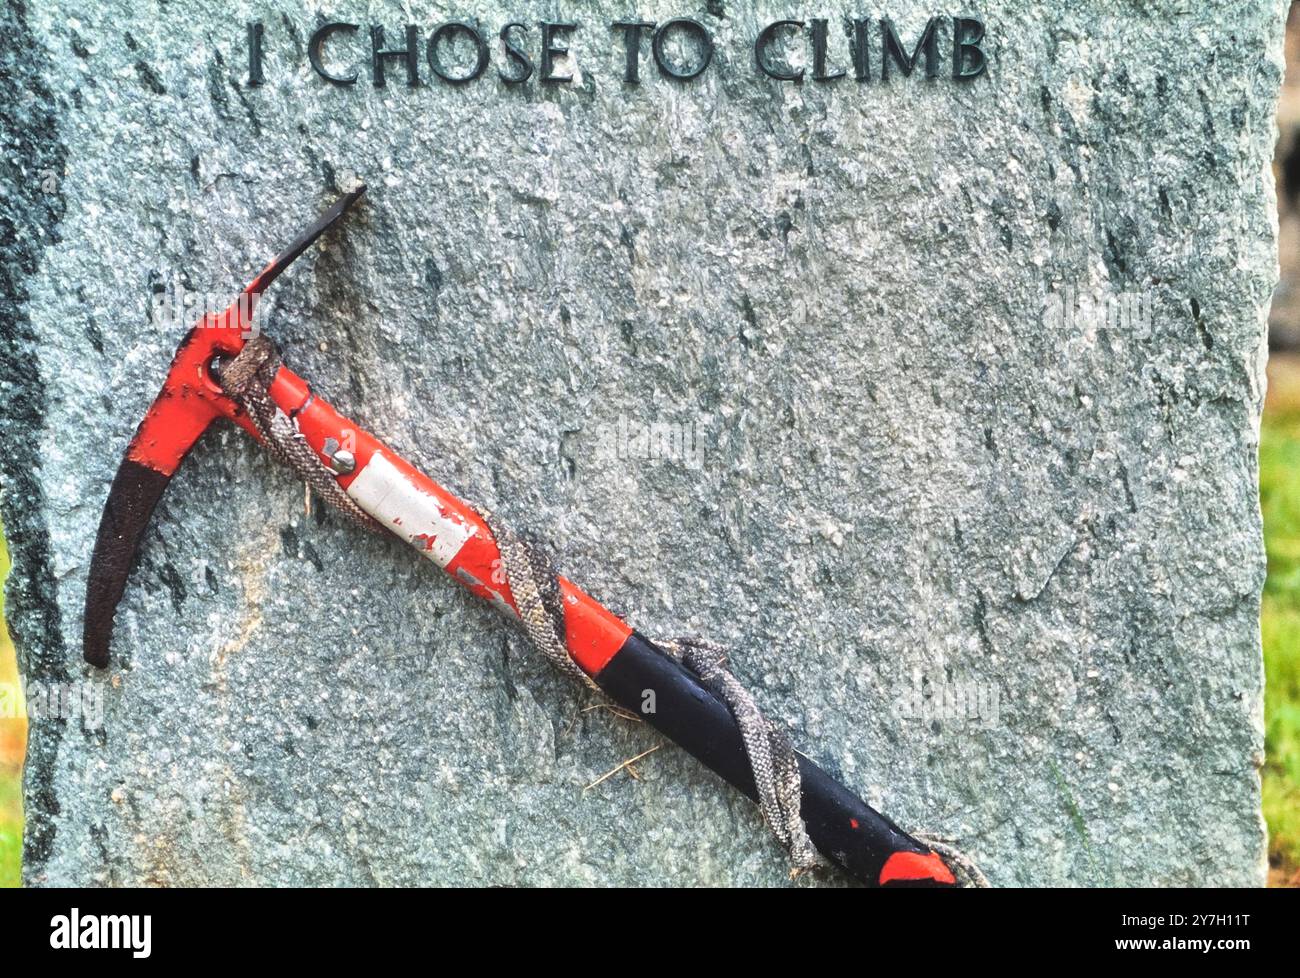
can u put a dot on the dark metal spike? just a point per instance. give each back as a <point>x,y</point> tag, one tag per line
<point>136,491</point>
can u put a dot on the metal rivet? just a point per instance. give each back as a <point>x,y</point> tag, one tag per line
<point>343,461</point>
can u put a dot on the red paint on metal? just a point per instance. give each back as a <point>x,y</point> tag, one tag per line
<point>853,823</point>
<point>593,633</point>
<point>913,866</point>
<point>190,398</point>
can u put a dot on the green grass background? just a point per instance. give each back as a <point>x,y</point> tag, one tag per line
<point>1279,478</point>
<point>1279,496</point>
<point>12,739</point>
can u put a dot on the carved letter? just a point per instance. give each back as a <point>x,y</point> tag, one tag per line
<point>861,52</point>
<point>516,55</point>
<point>892,49</point>
<point>691,27</point>
<point>819,53</point>
<point>254,53</point>
<point>760,51</point>
<point>447,30</point>
<point>315,45</point>
<point>550,51</point>
<point>967,33</point>
<point>409,54</point>
<point>632,30</point>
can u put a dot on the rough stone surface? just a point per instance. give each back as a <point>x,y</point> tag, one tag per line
<point>908,463</point>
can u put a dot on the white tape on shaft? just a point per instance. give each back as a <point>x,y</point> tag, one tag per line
<point>383,491</point>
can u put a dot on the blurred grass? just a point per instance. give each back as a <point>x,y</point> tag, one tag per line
<point>13,740</point>
<point>1279,496</point>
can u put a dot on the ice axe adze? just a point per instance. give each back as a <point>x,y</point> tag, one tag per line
<point>622,662</point>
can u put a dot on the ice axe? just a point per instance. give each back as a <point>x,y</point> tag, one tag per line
<point>379,487</point>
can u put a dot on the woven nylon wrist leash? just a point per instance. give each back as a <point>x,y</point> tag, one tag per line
<point>535,585</point>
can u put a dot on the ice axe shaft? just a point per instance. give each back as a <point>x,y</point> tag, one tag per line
<point>623,663</point>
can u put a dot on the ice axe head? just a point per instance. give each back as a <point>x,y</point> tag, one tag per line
<point>190,400</point>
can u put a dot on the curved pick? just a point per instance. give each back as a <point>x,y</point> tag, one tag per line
<point>190,400</point>
<point>136,490</point>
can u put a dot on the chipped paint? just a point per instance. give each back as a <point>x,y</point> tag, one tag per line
<point>383,491</point>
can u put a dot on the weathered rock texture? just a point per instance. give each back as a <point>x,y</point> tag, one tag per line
<point>915,461</point>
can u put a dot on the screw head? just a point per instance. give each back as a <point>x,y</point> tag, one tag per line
<point>343,461</point>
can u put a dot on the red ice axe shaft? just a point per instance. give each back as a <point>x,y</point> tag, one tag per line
<point>449,532</point>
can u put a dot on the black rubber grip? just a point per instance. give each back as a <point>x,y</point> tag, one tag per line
<point>842,826</point>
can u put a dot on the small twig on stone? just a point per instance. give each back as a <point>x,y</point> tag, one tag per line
<point>618,711</point>
<point>625,764</point>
